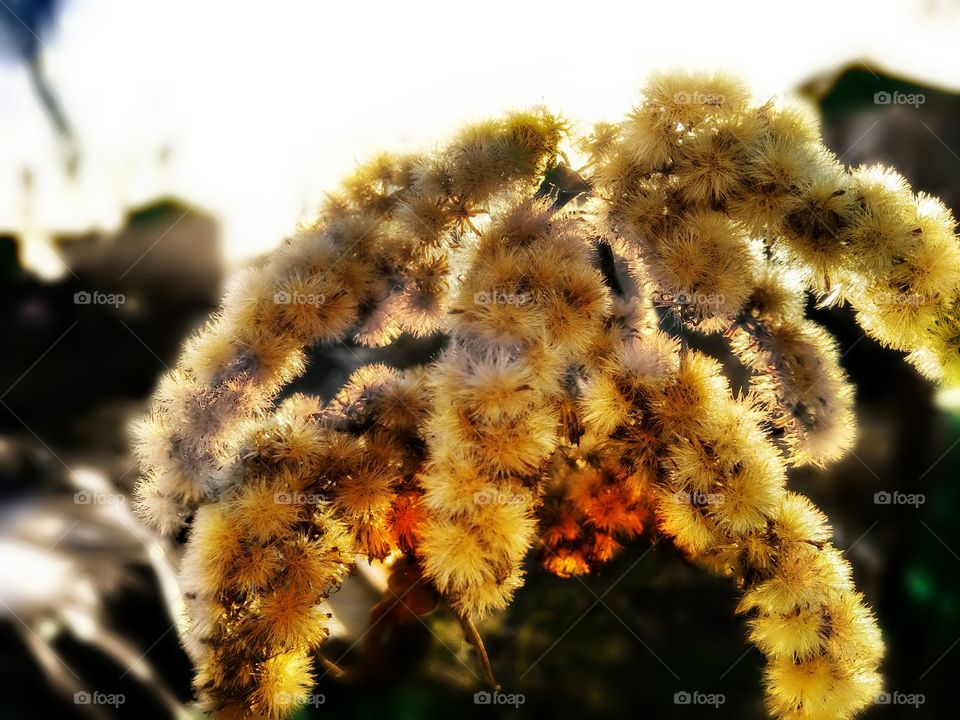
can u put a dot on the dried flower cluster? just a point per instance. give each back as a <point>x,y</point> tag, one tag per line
<point>567,414</point>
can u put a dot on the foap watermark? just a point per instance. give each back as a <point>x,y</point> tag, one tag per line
<point>297,498</point>
<point>895,298</point>
<point>502,297</point>
<point>696,97</point>
<point>898,98</point>
<point>95,297</point>
<point>885,497</point>
<point>699,698</point>
<point>98,698</point>
<point>290,700</point>
<point>683,298</point>
<point>294,297</point>
<point>492,497</point>
<point>87,497</point>
<point>483,697</point>
<point>700,499</point>
<point>899,698</point>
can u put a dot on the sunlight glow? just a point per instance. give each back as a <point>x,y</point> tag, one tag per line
<point>260,109</point>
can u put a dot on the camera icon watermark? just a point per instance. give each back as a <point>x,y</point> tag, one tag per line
<point>296,498</point>
<point>699,698</point>
<point>899,698</point>
<point>294,700</point>
<point>684,298</point>
<point>491,497</point>
<point>293,297</point>
<point>696,97</point>
<point>483,697</point>
<point>502,297</point>
<point>84,697</point>
<point>86,497</point>
<point>698,499</point>
<point>885,497</point>
<point>896,97</point>
<point>895,298</point>
<point>86,297</point>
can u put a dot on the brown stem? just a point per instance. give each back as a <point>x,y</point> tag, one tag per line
<point>473,637</point>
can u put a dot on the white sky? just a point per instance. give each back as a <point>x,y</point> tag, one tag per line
<point>265,112</point>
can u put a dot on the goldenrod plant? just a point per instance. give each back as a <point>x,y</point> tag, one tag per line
<point>568,414</point>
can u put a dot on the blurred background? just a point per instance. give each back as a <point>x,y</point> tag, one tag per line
<point>148,149</point>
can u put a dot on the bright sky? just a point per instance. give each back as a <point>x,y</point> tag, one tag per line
<point>263,112</point>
